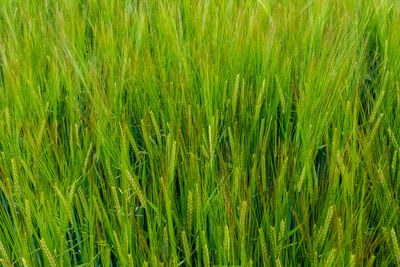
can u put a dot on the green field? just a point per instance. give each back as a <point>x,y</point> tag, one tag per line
<point>199,133</point>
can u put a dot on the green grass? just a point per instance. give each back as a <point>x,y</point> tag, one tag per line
<point>199,132</point>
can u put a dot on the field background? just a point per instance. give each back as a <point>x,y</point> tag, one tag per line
<point>199,133</point>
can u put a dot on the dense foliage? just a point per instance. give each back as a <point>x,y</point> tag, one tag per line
<point>199,132</point>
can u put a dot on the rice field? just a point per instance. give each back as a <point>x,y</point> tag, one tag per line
<point>199,133</point>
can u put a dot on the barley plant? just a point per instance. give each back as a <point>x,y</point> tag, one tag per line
<point>199,133</point>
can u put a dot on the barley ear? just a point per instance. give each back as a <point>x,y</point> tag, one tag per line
<point>47,253</point>
<point>186,248</point>
<point>189,211</point>
<point>264,250</point>
<point>206,255</point>
<point>5,260</point>
<point>396,249</point>
<point>227,243</point>
<point>235,95</point>
<point>331,258</point>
